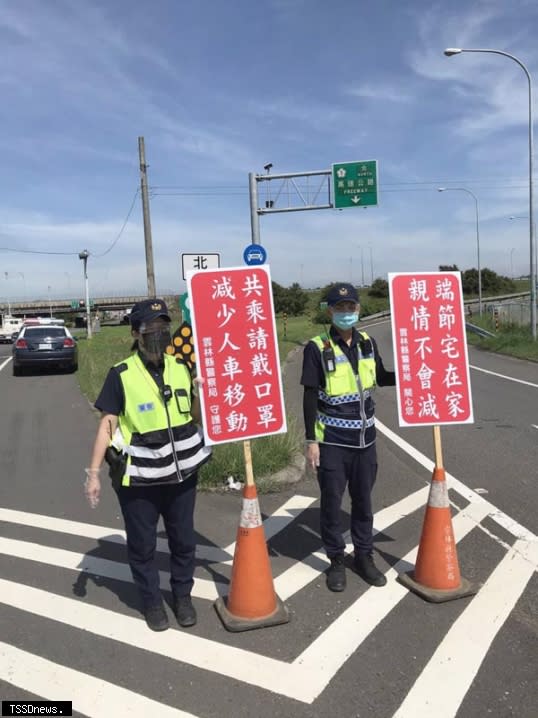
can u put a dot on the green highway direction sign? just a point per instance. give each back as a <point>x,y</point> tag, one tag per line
<point>355,184</point>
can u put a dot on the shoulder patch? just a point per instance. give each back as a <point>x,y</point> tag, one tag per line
<point>122,367</point>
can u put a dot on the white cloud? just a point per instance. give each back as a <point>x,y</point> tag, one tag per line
<point>381,92</point>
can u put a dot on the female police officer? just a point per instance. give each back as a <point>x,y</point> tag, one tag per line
<point>340,372</point>
<point>149,407</point>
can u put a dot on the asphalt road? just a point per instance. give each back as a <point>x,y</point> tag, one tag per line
<point>69,622</point>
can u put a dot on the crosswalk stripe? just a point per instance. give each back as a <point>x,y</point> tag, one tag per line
<point>203,588</point>
<point>513,527</point>
<point>286,584</point>
<point>237,663</point>
<point>89,695</point>
<point>274,523</point>
<point>303,679</point>
<point>328,653</point>
<point>302,572</point>
<point>442,685</point>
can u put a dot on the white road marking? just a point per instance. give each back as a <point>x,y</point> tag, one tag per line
<point>442,685</point>
<point>303,679</point>
<point>503,376</point>
<point>494,513</point>
<point>90,696</point>
<point>236,663</point>
<point>3,364</point>
<point>307,676</point>
<point>303,572</point>
<point>93,565</point>
<point>328,653</point>
<point>274,523</point>
<point>286,585</point>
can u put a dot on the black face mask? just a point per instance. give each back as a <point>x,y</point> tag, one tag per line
<point>155,342</point>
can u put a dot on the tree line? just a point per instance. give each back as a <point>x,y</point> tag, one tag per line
<point>294,300</point>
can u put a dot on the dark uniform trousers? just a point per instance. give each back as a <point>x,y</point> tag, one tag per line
<point>339,467</point>
<point>141,507</point>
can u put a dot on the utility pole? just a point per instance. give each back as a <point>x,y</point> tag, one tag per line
<point>147,221</point>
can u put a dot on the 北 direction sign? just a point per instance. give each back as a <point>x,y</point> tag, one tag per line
<point>430,348</point>
<point>199,261</point>
<point>234,328</point>
<point>355,184</point>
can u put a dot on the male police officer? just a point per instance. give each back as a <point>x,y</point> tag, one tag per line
<point>148,406</point>
<point>340,371</point>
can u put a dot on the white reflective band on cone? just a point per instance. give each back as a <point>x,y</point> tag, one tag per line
<point>438,497</point>
<point>251,517</point>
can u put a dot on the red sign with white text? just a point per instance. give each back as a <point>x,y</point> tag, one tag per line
<point>430,348</point>
<point>236,353</point>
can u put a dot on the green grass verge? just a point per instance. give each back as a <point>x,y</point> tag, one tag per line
<point>509,339</point>
<point>270,454</point>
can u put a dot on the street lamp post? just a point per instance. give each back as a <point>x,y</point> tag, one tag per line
<point>21,275</point>
<point>362,264</point>
<point>371,266</point>
<point>84,256</point>
<point>456,51</point>
<point>50,302</point>
<point>512,262</point>
<point>464,189</point>
<point>513,216</point>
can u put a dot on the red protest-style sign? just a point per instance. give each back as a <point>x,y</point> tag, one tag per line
<point>430,348</point>
<point>236,353</point>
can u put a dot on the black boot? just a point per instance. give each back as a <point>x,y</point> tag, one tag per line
<point>367,570</point>
<point>185,611</point>
<point>156,617</point>
<point>336,575</point>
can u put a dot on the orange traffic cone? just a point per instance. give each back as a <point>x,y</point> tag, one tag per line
<point>252,601</point>
<point>437,574</point>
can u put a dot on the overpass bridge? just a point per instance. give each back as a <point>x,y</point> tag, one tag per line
<point>72,306</point>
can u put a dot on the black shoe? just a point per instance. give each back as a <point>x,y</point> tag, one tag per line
<point>185,611</point>
<point>367,570</point>
<point>336,575</point>
<point>156,617</point>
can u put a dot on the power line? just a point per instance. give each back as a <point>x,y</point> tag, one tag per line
<point>33,251</point>
<point>40,251</point>
<point>121,230</point>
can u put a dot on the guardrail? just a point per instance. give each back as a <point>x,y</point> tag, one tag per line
<point>478,330</point>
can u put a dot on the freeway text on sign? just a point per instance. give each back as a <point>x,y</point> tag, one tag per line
<point>234,328</point>
<point>430,348</point>
<point>355,184</point>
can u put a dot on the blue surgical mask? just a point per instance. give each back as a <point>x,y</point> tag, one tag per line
<point>345,320</point>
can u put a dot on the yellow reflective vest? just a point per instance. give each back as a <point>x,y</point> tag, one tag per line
<point>162,443</point>
<point>345,413</point>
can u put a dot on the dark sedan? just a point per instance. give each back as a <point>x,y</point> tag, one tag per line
<point>44,346</point>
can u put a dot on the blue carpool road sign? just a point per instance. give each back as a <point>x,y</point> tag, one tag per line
<point>254,254</point>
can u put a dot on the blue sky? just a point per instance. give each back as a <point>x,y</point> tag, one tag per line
<point>218,89</point>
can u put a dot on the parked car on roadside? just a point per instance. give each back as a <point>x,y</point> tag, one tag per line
<point>44,346</point>
<point>10,325</point>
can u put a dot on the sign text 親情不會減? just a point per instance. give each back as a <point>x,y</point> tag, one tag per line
<point>430,348</point>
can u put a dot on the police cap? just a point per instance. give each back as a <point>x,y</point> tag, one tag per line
<point>342,292</point>
<point>146,311</point>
